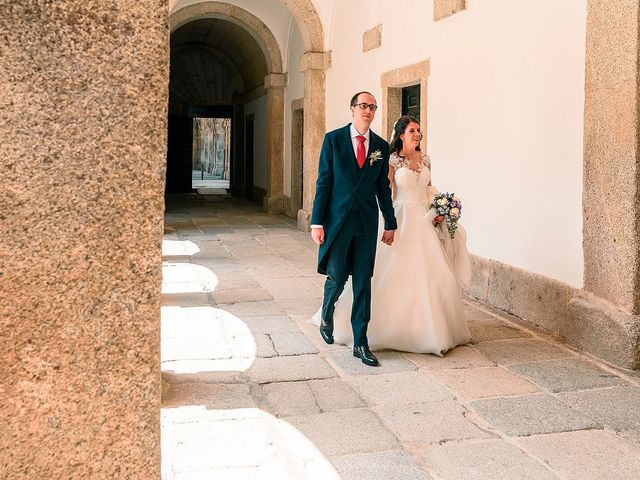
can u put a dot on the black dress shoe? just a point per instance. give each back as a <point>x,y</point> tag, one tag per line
<point>364,354</point>
<point>326,331</point>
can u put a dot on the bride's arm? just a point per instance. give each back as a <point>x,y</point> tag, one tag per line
<point>392,183</point>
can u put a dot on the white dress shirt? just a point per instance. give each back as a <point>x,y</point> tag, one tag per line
<point>354,142</point>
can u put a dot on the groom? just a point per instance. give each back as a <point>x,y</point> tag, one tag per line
<point>353,172</point>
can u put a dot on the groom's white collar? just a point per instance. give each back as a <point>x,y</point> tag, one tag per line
<point>355,133</point>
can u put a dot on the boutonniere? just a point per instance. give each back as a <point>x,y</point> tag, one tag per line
<point>374,157</point>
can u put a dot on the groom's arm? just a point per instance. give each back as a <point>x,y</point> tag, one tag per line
<point>323,185</point>
<point>383,192</point>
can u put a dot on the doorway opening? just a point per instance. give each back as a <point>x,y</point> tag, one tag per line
<point>411,101</point>
<point>211,153</point>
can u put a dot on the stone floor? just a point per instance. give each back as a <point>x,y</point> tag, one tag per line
<point>251,391</point>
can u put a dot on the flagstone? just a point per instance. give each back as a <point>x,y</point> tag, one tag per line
<point>532,414</point>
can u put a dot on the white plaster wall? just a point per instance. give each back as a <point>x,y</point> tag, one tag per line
<point>259,108</point>
<point>294,91</point>
<point>505,114</point>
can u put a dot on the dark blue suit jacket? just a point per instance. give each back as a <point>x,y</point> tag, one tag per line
<point>342,187</point>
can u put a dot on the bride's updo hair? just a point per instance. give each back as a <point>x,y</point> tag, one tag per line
<point>398,129</point>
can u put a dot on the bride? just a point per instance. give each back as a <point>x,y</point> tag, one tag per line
<point>416,289</point>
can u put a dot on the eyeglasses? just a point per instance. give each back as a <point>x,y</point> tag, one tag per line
<point>364,106</point>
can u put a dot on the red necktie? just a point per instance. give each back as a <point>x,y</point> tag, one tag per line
<point>360,151</point>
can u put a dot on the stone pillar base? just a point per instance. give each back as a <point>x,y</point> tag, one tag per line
<point>603,330</point>
<point>304,220</point>
<point>273,204</point>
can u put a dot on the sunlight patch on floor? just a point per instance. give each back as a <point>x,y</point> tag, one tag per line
<point>187,278</point>
<point>204,339</point>
<point>179,248</point>
<point>237,444</point>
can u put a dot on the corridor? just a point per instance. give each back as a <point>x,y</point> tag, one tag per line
<point>250,390</point>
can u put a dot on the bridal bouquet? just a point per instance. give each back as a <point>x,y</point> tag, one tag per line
<point>448,206</point>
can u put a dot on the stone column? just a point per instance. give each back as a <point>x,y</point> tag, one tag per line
<point>605,317</point>
<point>313,65</point>
<point>274,83</point>
<point>83,112</point>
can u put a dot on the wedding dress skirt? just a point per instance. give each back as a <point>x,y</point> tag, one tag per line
<point>416,288</point>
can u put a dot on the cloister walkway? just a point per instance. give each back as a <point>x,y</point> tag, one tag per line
<point>250,391</point>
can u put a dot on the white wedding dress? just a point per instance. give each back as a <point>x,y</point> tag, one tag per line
<point>416,289</point>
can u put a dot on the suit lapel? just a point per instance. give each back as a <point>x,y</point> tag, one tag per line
<point>348,154</point>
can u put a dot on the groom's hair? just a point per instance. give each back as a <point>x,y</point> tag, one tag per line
<point>354,99</point>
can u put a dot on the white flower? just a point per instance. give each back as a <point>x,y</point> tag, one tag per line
<point>454,212</point>
<point>374,157</point>
<point>442,201</point>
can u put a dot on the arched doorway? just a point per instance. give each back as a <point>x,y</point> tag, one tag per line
<point>313,64</point>
<point>217,82</point>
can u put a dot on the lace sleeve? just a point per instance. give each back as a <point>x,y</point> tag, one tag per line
<point>394,161</point>
<point>427,161</point>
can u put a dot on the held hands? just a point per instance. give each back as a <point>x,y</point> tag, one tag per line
<point>317,234</point>
<point>387,236</point>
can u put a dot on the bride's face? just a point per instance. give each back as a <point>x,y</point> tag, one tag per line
<point>411,136</point>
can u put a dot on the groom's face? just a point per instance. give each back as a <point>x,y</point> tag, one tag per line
<point>363,115</point>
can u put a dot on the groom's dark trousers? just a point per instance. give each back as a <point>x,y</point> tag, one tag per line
<point>350,254</point>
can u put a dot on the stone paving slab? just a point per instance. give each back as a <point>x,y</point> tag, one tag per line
<point>265,274</point>
<point>459,357</point>
<point>290,369</point>
<point>483,382</point>
<point>432,422</point>
<point>632,437</point>
<point>521,350</point>
<point>616,407</point>
<point>473,311</point>
<point>203,378</point>
<point>400,388</point>
<point>390,362</point>
<point>532,414</point>
<point>394,465</point>
<point>256,294</point>
<point>209,231</point>
<point>187,299</point>
<point>585,455</point>
<point>289,343</point>
<point>567,375</point>
<point>294,288</point>
<point>345,432</point>
<point>212,396</point>
<point>493,329</point>
<point>269,324</point>
<point>279,239</point>
<point>334,394</point>
<point>235,281</point>
<point>493,459</point>
<point>290,398</point>
<point>221,265</point>
<point>266,307</point>
<point>264,346</point>
<point>301,306</point>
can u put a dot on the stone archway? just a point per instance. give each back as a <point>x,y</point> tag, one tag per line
<point>313,64</point>
<point>274,84</point>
